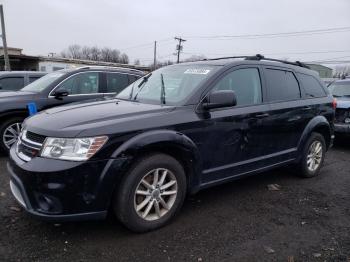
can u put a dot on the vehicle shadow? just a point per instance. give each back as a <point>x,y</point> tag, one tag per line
<point>342,142</point>
<point>196,210</point>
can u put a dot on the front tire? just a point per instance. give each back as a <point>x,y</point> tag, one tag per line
<point>312,156</point>
<point>9,132</point>
<point>151,193</point>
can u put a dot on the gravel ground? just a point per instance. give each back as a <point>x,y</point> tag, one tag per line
<point>306,220</point>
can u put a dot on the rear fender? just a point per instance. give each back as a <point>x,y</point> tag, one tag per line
<point>317,124</point>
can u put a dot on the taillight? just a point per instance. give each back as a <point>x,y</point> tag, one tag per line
<point>334,103</point>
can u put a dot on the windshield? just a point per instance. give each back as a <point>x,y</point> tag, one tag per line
<point>340,89</point>
<point>168,85</point>
<point>40,84</point>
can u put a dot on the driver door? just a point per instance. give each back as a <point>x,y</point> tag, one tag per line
<point>234,137</point>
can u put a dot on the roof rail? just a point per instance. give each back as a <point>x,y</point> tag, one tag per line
<point>109,67</point>
<point>259,57</point>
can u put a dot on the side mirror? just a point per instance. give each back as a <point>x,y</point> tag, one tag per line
<point>60,93</point>
<point>221,98</point>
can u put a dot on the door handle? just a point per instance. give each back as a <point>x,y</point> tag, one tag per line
<point>262,115</point>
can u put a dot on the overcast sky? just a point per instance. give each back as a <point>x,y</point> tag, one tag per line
<point>43,26</point>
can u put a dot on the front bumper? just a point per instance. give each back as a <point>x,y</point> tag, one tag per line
<point>342,128</point>
<point>63,190</point>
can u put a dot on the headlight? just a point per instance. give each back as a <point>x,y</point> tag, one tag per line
<point>74,149</point>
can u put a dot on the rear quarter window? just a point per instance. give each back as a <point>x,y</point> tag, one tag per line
<point>281,85</point>
<point>11,83</point>
<point>311,86</point>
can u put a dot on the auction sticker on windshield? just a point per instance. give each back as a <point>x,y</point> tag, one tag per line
<point>197,71</point>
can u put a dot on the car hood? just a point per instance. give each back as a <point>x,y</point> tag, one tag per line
<point>343,102</point>
<point>95,118</point>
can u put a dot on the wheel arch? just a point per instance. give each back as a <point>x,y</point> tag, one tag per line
<point>10,114</point>
<point>320,125</point>
<point>169,142</point>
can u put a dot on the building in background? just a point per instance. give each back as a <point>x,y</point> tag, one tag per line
<point>21,62</point>
<point>323,71</point>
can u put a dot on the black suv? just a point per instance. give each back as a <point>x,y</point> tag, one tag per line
<point>180,129</point>
<point>16,80</point>
<point>58,88</point>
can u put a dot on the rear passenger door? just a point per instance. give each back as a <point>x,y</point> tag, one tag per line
<point>288,116</point>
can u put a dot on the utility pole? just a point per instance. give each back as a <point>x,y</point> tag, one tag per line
<point>155,56</point>
<point>4,44</point>
<point>179,47</point>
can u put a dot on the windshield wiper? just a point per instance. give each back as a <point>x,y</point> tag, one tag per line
<point>144,80</point>
<point>162,92</point>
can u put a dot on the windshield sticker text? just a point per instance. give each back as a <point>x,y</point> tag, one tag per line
<point>197,71</point>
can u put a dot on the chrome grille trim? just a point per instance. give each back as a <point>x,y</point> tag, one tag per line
<point>24,144</point>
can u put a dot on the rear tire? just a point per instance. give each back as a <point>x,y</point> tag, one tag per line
<point>313,155</point>
<point>151,193</point>
<point>9,131</point>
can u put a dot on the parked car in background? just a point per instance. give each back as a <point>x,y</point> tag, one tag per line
<point>16,80</point>
<point>180,129</point>
<point>58,88</point>
<point>341,91</point>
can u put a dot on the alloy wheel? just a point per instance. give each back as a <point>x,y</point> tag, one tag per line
<point>11,134</point>
<point>314,157</point>
<point>155,194</point>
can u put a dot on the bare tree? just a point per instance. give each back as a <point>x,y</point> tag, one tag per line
<point>124,59</point>
<point>115,56</point>
<point>106,54</point>
<point>85,53</point>
<point>94,53</point>
<point>137,62</point>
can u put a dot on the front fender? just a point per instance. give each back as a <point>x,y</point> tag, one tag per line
<point>164,140</point>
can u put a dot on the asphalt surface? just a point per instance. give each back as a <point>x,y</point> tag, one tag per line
<point>306,220</point>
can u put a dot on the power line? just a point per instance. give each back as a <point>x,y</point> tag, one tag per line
<point>150,44</point>
<point>280,34</point>
<point>281,53</point>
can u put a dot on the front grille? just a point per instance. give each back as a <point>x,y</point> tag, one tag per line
<point>341,114</point>
<point>35,137</point>
<point>29,145</point>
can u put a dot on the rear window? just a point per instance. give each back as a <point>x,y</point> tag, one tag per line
<point>281,85</point>
<point>311,86</point>
<point>11,83</point>
<point>33,78</point>
<point>116,82</point>
<point>133,78</point>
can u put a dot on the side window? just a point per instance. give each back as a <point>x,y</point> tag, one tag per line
<point>281,85</point>
<point>79,84</point>
<point>11,83</point>
<point>33,78</point>
<point>245,83</point>
<point>116,82</point>
<point>312,87</point>
<point>133,78</point>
